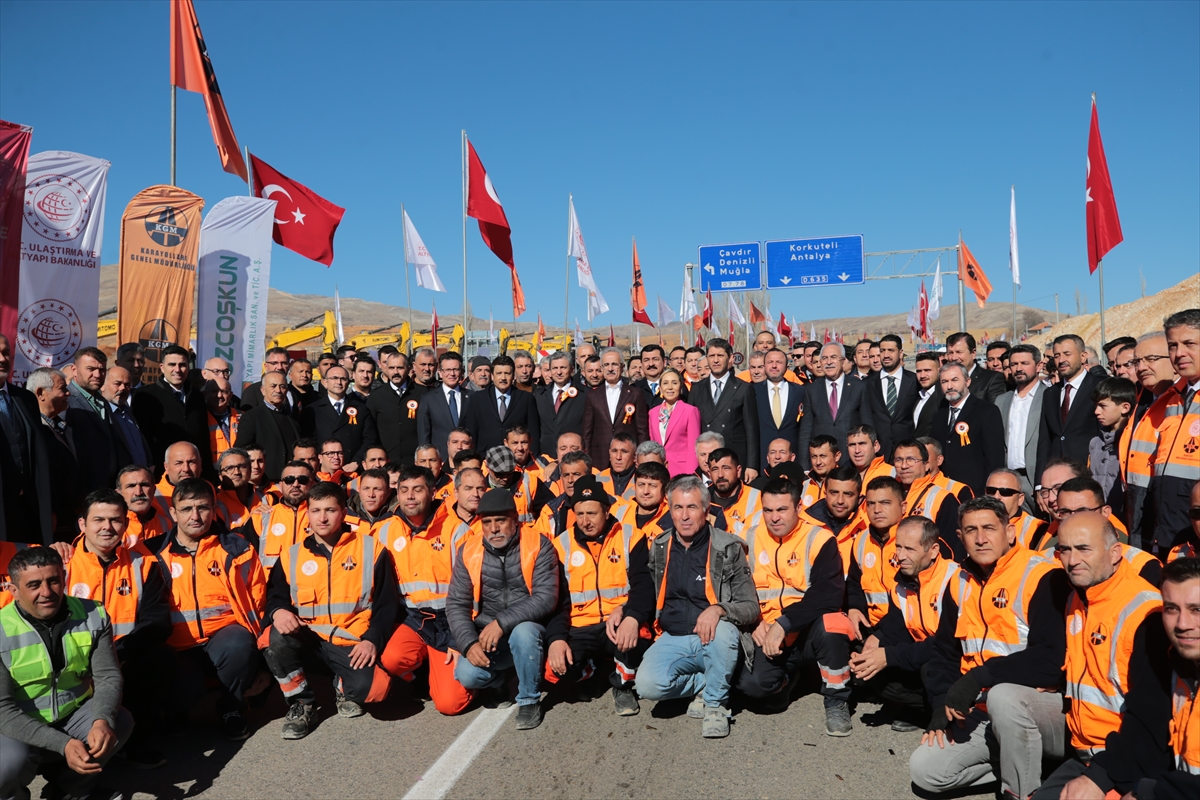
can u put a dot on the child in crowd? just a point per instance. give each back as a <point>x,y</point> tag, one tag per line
<point>1114,399</point>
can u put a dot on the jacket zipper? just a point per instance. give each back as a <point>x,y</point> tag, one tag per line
<point>196,599</point>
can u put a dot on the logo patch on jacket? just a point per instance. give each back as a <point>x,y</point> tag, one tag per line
<point>1000,599</point>
<point>614,557</point>
<point>1098,636</point>
<point>349,563</point>
<point>793,560</point>
<point>214,569</point>
<point>438,544</point>
<point>123,588</point>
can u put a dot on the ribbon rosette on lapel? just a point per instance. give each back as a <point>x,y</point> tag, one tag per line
<point>412,409</point>
<point>352,415</point>
<point>629,409</point>
<point>962,429</point>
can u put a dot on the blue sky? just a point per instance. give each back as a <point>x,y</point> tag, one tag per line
<point>680,124</point>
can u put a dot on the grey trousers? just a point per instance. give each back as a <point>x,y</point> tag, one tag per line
<point>19,763</point>
<point>1020,727</point>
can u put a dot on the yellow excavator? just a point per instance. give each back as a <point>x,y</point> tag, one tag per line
<point>106,327</point>
<point>327,330</point>
<point>550,344</point>
<point>377,338</point>
<point>446,341</point>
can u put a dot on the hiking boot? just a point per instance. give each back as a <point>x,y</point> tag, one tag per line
<point>837,719</point>
<point>626,701</point>
<point>234,726</point>
<point>529,717</point>
<point>696,707</point>
<point>903,726</point>
<point>348,708</point>
<point>298,721</point>
<point>716,722</point>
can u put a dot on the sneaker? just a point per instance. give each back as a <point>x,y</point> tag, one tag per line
<point>716,722</point>
<point>626,701</point>
<point>348,708</point>
<point>903,726</point>
<point>696,707</point>
<point>529,717</point>
<point>142,757</point>
<point>837,719</point>
<point>234,726</point>
<point>298,721</point>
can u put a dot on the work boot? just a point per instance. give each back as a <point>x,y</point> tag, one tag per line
<point>626,701</point>
<point>495,697</point>
<point>529,717</point>
<point>716,722</point>
<point>298,721</point>
<point>903,726</point>
<point>696,707</point>
<point>234,726</point>
<point>837,719</point>
<point>348,708</point>
<point>140,756</point>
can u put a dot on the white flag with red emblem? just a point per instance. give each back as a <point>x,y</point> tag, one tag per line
<point>417,254</point>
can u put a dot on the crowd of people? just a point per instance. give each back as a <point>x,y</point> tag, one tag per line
<point>1005,555</point>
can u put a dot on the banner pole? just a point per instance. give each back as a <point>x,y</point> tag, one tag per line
<point>172,134</point>
<point>249,172</point>
<point>1100,275</point>
<point>567,292</point>
<point>962,306</point>
<point>407,289</point>
<point>464,226</point>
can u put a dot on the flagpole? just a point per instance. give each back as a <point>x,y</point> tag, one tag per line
<point>172,134</point>
<point>567,292</point>
<point>1100,275</point>
<point>962,295</point>
<point>407,289</point>
<point>464,227</point>
<point>249,172</point>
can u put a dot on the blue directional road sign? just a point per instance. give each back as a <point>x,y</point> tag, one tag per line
<point>828,261</point>
<point>730,267</point>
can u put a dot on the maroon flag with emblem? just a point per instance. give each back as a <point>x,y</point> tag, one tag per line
<point>14,158</point>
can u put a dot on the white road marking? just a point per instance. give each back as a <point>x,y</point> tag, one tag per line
<point>439,779</point>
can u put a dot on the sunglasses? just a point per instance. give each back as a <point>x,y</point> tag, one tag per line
<point>1003,491</point>
<point>303,480</point>
<point>1194,512</point>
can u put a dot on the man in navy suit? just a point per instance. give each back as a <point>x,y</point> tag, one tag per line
<point>500,407</point>
<point>892,393</point>
<point>781,404</point>
<point>727,407</point>
<point>560,406</point>
<point>442,407</point>
<point>340,416</point>
<point>1068,420</point>
<point>613,407</point>
<point>835,403</point>
<point>970,430</point>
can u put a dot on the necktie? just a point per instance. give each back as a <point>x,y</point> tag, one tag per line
<point>891,395</point>
<point>558,395</point>
<point>4,405</point>
<point>716,390</point>
<point>777,407</point>
<point>654,388</point>
<point>1066,403</point>
<point>503,406</point>
<point>833,403</point>
<point>453,399</point>
<point>953,416</point>
<point>337,406</point>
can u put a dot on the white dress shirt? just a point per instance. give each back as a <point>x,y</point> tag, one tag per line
<point>1018,424</point>
<point>923,396</point>
<point>612,393</point>
<point>718,382</point>
<point>1074,383</point>
<point>782,387</point>
<point>883,379</point>
<point>840,383</point>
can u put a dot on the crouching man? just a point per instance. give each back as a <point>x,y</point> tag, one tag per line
<point>503,591</point>
<point>335,594</point>
<point>706,603</point>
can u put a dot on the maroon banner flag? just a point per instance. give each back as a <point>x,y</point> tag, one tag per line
<point>14,157</point>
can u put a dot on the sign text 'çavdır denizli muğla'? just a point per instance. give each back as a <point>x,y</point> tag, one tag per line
<point>730,267</point>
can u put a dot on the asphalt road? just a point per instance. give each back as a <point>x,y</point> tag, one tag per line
<point>581,750</point>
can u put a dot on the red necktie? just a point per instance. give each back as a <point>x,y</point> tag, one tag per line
<point>1066,403</point>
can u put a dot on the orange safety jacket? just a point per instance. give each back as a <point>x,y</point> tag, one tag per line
<point>653,528</point>
<point>1050,538</point>
<point>661,600</point>
<point>744,514</point>
<point>118,588</point>
<point>230,507</point>
<point>995,621</point>
<point>223,583</point>
<point>163,492</point>
<point>340,478</point>
<point>7,551</point>
<point>472,555</point>
<point>877,564</point>
<point>277,528</point>
<point>332,595</point>
<point>548,521</point>
<point>1184,550</point>
<point>137,531</point>
<point>606,479</point>
<point>218,443</point>
<point>597,573</point>
<point>1166,442</point>
<point>956,488</point>
<point>1185,724</point>
<point>424,557</point>
<point>876,469</point>
<point>365,527</point>
<point>446,493</point>
<point>930,590</point>
<point>782,568</point>
<point>812,491</point>
<point>1030,529</point>
<point>925,498</point>
<point>1100,634</point>
<point>847,536</point>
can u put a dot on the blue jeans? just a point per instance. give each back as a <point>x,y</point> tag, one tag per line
<point>680,666</point>
<point>521,649</point>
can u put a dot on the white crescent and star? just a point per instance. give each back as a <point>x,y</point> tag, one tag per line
<point>271,189</point>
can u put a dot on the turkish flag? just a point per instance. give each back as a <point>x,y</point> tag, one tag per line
<point>433,323</point>
<point>484,205</point>
<point>784,330</point>
<point>708,309</point>
<point>923,311</point>
<point>1103,225</point>
<point>612,336</point>
<point>305,222</point>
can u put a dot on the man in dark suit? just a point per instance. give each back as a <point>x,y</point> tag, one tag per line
<point>90,419</point>
<point>780,405</point>
<point>893,394</point>
<point>276,359</point>
<point>441,408</point>
<point>929,395</point>
<point>394,407</point>
<point>25,514</point>
<point>835,403</point>
<point>654,361</point>
<point>301,391</point>
<point>614,407</point>
<point>728,407</point>
<point>971,431</point>
<point>340,416</point>
<point>132,447</point>
<point>1068,420</point>
<point>161,408</point>
<point>499,407</point>
<point>62,479</point>
<point>560,406</point>
<point>985,384</point>
<point>269,427</point>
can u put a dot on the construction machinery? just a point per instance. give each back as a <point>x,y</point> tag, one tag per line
<point>485,343</point>
<point>327,330</point>
<point>378,338</point>
<point>446,341</point>
<point>533,345</point>
<point>106,327</point>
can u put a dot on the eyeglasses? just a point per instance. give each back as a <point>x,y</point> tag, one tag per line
<point>1194,512</point>
<point>907,460</point>
<point>1066,512</point>
<point>1149,361</point>
<point>1048,491</point>
<point>224,373</point>
<point>338,453</point>
<point>303,480</point>
<point>235,468</point>
<point>1003,491</point>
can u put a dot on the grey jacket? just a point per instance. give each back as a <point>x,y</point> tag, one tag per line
<point>504,597</point>
<point>734,582</point>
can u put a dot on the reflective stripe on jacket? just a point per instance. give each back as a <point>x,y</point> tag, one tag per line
<point>424,559</point>
<point>598,579</point>
<point>472,555</point>
<point>927,592</point>
<point>782,568</point>
<point>332,590</point>
<point>118,587</point>
<point>279,527</point>
<point>877,563</point>
<point>1185,724</point>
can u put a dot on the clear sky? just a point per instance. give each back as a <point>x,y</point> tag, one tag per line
<point>680,124</point>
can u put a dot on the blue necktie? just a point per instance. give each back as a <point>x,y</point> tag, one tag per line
<point>454,407</point>
<point>4,405</point>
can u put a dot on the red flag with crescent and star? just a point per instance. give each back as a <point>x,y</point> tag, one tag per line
<point>707,317</point>
<point>483,204</point>
<point>1103,224</point>
<point>433,328</point>
<point>784,330</point>
<point>305,222</point>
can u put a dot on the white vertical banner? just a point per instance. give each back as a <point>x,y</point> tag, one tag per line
<point>235,273</point>
<point>61,238</point>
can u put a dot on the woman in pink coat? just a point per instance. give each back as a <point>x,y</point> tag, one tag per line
<point>675,425</point>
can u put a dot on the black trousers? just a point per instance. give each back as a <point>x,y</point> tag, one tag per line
<point>233,652</point>
<point>830,652</point>
<point>592,641</point>
<point>285,658</point>
<point>1052,787</point>
<point>147,688</point>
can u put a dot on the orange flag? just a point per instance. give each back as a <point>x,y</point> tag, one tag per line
<point>192,71</point>
<point>637,294</point>
<point>972,275</point>
<point>756,315</point>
